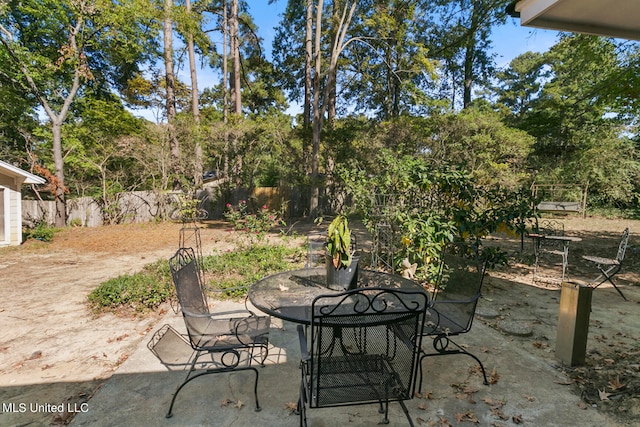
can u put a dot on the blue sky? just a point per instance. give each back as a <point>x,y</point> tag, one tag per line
<point>509,40</point>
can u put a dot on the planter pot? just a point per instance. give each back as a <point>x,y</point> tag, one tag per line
<point>342,279</point>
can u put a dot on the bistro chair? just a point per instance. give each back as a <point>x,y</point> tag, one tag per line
<point>363,348</point>
<point>609,267</point>
<point>542,246</point>
<point>229,340</point>
<point>454,304</point>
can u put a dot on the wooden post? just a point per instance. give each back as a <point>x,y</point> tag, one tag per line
<point>573,323</point>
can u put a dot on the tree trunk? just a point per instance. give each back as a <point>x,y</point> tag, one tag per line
<point>225,84</point>
<point>321,102</point>
<point>174,146</point>
<point>236,95</point>
<point>469,57</point>
<point>195,106</point>
<point>308,63</point>
<point>317,115</point>
<point>58,162</point>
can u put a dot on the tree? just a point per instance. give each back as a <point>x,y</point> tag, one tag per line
<point>575,100</point>
<point>387,65</point>
<point>57,48</point>
<point>460,37</point>
<point>195,96</point>
<point>520,83</point>
<point>170,85</point>
<point>323,80</point>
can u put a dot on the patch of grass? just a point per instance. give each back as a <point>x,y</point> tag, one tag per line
<point>231,271</point>
<point>140,292</point>
<point>40,231</point>
<point>614,213</point>
<point>236,270</point>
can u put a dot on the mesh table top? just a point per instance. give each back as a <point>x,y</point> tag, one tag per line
<point>289,295</point>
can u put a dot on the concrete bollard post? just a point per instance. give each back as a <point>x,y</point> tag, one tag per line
<point>573,323</point>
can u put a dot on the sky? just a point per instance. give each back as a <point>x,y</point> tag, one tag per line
<point>509,41</point>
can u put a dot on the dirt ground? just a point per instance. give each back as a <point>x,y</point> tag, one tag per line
<point>54,351</point>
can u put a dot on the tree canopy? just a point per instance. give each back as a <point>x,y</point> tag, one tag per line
<point>410,78</point>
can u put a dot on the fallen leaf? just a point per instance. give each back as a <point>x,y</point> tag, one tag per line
<point>467,417</point>
<point>283,288</point>
<point>517,419</point>
<point>291,407</point>
<point>603,394</point>
<point>226,402</point>
<point>239,404</point>
<point>428,395</point>
<point>498,413</point>
<point>422,406</point>
<point>529,398</point>
<point>491,402</point>
<point>494,377</point>
<point>616,384</point>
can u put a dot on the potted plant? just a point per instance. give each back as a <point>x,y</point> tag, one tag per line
<point>342,265</point>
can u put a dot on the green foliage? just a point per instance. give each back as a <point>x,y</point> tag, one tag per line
<point>230,271</point>
<point>429,204</point>
<point>141,291</point>
<point>253,226</point>
<point>40,231</point>
<point>579,100</point>
<point>339,242</point>
<point>234,271</point>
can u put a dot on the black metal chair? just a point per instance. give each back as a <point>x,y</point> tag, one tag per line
<point>542,246</point>
<point>454,304</point>
<point>609,267</point>
<point>230,343</point>
<point>363,349</point>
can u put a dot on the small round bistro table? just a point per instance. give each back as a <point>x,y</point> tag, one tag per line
<point>289,295</point>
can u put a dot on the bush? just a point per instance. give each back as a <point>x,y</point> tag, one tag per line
<point>152,286</point>
<point>40,231</point>
<point>140,291</point>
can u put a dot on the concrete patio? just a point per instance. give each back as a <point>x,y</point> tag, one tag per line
<point>527,390</point>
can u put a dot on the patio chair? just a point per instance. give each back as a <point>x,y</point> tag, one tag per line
<point>363,349</point>
<point>609,267</point>
<point>230,343</point>
<point>543,246</point>
<point>453,304</point>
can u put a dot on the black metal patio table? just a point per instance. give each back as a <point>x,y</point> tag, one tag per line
<point>288,295</point>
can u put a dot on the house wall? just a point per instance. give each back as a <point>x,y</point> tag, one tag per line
<point>13,210</point>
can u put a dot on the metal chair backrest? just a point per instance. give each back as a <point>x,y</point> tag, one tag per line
<point>551,227</point>
<point>457,293</point>
<point>202,330</point>
<point>622,248</point>
<point>364,346</point>
<point>187,280</point>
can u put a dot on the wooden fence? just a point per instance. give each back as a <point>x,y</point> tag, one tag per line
<point>145,206</point>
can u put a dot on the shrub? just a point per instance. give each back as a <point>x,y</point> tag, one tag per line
<point>41,231</point>
<point>232,271</point>
<point>254,226</point>
<point>140,291</point>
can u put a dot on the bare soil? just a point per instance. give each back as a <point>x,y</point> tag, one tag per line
<point>54,350</point>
